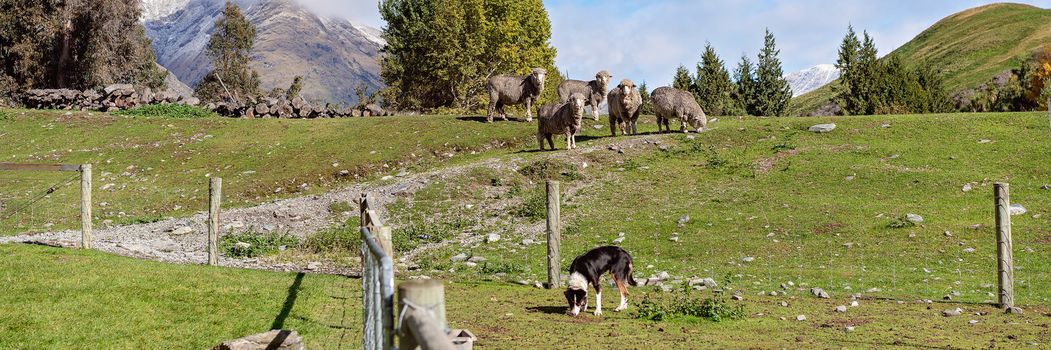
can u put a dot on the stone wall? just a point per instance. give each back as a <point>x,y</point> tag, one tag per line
<point>124,96</point>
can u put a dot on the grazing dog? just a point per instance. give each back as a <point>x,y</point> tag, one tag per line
<point>588,269</point>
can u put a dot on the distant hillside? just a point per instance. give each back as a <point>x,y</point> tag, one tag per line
<point>332,55</point>
<point>970,47</point>
<point>812,78</point>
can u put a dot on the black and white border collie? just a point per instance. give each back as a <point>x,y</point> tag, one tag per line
<point>588,269</point>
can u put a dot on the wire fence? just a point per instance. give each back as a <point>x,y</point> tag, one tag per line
<point>38,201</point>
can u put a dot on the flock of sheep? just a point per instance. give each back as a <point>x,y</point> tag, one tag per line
<point>564,118</point>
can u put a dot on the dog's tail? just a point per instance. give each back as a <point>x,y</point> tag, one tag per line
<point>631,280</point>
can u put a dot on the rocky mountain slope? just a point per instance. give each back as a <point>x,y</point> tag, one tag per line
<point>812,78</point>
<point>332,55</point>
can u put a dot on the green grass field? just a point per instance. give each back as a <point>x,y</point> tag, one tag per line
<point>813,209</point>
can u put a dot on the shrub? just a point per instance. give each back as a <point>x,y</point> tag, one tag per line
<point>258,244</point>
<point>534,205</point>
<point>685,305</point>
<point>168,110</point>
<point>551,169</point>
<point>346,238</point>
<point>340,207</point>
<point>901,222</point>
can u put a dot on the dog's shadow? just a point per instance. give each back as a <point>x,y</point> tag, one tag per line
<point>553,310</point>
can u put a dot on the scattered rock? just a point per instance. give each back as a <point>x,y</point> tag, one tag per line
<point>706,282</point>
<point>523,282</point>
<point>952,312</point>
<point>674,239</point>
<point>841,308</point>
<point>801,318</point>
<point>683,220</point>
<point>1045,187</point>
<point>537,284</point>
<point>783,303</point>
<point>618,240</point>
<point>527,241</point>
<point>968,250</point>
<point>107,186</point>
<point>1017,209</point>
<point>818,292</point>
<point>664,276</point>
<point>985,141</point>
<point>470,264</point>
<point>459,257</point>
<point>748,259</point>
<point>313,265</point>
<point>948,234</point>
<point>850,328</point>
<point>476,259</point>
<point>822,128</point>
<point>182,230</point>
<point>737,297</point>
<point>967,187</point>
<point>914,218</point>
<point>492,237</point>
<point>973,321</point>
<point>1013,310</point>
<point>853,303</point>
<point>873,290</point>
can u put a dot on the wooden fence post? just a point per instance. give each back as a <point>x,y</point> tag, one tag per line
<point>554,239</point>
<point>428,294</point>
<point>384,239</point>
<point>85,206</point>
<point>215,189</point>
<point>1004,256</point>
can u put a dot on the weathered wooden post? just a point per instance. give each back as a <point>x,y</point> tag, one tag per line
<point>1004,256</point>
<point>424,322</point>
<point>215,189</point>
<point>554,239</point>
<point>85,206</point>
<point>384,239</point>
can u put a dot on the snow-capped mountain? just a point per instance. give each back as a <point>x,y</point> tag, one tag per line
<point>154,9</point>
<point>333,55</point>
<point>812,78</point>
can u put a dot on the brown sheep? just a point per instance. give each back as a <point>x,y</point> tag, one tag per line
<point>510,90</point>
<point>624,103</point>
<point>563,118</point>
<point>671,103</point>
<point>594,91</point>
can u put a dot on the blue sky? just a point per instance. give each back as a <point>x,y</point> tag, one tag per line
<point>647,40</point>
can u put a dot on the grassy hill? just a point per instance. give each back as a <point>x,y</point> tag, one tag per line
<point>970,47</point>
<point>772,208</point>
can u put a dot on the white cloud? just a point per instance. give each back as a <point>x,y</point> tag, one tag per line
<point>358,11</point>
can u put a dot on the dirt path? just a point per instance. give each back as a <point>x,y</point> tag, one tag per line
<point>183,240</point>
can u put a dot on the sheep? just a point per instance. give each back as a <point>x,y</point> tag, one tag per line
<point>562,118</point>
<point>510,90</point>
<point>624,108</point>
<point>671,103</point>
<point>594,91</point>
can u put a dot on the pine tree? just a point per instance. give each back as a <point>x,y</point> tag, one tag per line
<point>848,57</point>
<point>772,89</point>
<point>682,80</point>
<point>644,93</point>
<point>744,92</point>
<point>229,48</point>
<point>295,88</point>
<point>714,89</point>
<point>867,77</point>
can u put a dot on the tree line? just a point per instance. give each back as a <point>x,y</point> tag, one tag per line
<point>754,89</point>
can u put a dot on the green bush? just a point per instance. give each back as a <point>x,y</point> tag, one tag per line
<point>551,169</point>
<point>340,207</point>
<point>168,110</point>
<point>346,238</point>
<point>534,205</point>
<point>685,305</point>
<point>258,244</point>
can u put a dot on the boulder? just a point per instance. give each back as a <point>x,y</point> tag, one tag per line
<point>277,339</point>
<point>822,128</point>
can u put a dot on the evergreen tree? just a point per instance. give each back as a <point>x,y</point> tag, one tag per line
<point>295,88</point>
<point>848,57</point>
<point>744,92</point>
<point>682,80</point>
<point>441,53</point>
<point>229,48</point>
<point>867,77</point>
<point>772,89</point>
<point>644,93</point>
<point>713,88</point>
